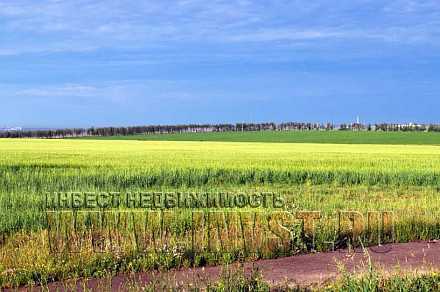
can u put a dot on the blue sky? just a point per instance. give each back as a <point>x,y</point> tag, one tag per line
<point>101,63</point>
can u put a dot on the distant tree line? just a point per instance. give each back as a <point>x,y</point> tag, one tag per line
<point>167,129</point>
<point>408,127</point>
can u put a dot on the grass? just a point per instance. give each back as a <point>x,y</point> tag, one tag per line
<point>71,164</point>
<point>331,137</point>
<point>325,177</point>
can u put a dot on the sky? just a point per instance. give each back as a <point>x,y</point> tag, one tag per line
<point>123,62</point>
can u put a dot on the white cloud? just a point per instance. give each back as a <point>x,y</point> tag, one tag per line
<point>78,26</point>
<point>116,92</point>
<point>284,34</point>
<point>68,90</point>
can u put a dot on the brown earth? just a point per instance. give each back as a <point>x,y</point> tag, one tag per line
<point>303,270</point>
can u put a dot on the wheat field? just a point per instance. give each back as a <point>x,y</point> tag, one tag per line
<point>403,179</point>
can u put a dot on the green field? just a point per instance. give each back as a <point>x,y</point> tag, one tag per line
<point>332,137</point>
<point>53,164</point>
<point>404,179</point>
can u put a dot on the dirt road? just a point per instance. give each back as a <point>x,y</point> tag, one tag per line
<point>303,269</point>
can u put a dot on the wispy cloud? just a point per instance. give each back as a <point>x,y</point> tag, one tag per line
<point>122,92</point>
<point>284,34</point>
<point>68,90</point>
<point>57,26</point>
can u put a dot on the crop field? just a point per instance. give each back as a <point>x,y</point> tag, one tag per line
<point>357,194</point>
<point>331,137</point>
